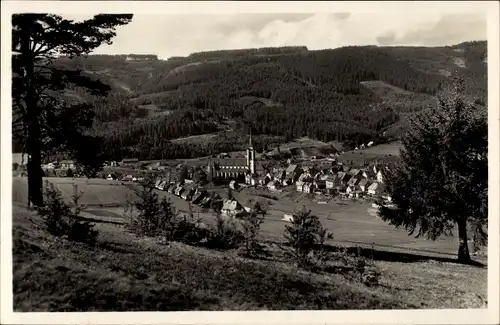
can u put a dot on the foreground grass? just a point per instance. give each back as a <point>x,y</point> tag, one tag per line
<point>123,273</point>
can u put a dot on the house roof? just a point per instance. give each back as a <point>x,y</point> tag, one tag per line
<point>291,168</point>
<point>326,177</point>
<point>231,162</point>
<point>343,175</point>
<point>363,182</point>
<point>231,205</point>
<point>353,181</point>
<point>205,200</point>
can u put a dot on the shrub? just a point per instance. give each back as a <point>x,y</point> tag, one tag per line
<point>146,221</point>
<point>224,235</point>
<point>190,230</point>
<point>60,220</point>
<point>251,228</point>
<point>166,220</point>
<point>303,234</point>
<point>55,211</point>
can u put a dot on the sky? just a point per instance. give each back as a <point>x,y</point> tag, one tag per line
<point>180,35</point>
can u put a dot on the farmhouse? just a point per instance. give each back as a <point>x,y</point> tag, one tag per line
<point>331,182</point>
<point>127,161</point>
<point>356,172</point>
<point>111,177</point>
<point>343,177</point>
<point>231,208</point>
<point>363,185</point>
<point>279,175</point>
<point>67,164</point>
<point>293,173</point>
<point>188,193</point>
<point>309,187</point>
<point>380,176</point>
<point>375,189</point>
<point>128,178</point>
<point>198,196</point>
<point>162,185</point>
<point>273,185</point>
<point>353,181</point>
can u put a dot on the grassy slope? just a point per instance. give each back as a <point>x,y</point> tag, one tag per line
<point>124,273</point>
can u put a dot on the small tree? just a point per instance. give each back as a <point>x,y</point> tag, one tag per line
<point>81,231</point>
<point>166,219</point>
<point>183,174</point>
<point>442,179</point>
<point>145,222</point>
<point>225,234</point>
<point>230,195</point>
<point>55,211</point>
<point>251,227</point>
<point>61,220</point>
<point>303,234</point>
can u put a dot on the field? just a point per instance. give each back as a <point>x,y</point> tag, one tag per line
<point>386,151</point>
<point>139,274</point>
<point>353,223</point>
<point>95,192</point>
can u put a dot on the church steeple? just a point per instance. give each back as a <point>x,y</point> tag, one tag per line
<point>250,155</point>
<point>250,145</point>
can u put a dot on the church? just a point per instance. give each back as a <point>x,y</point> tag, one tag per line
<point>242,170</point>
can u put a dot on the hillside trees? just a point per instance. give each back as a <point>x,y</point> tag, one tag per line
<point>288,93</point>
<point>42,119</point>
<point>442,180</point>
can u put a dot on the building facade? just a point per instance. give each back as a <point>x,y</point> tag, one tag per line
<point>243,170</point>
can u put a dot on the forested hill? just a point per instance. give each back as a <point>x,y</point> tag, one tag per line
<point>349,94</point>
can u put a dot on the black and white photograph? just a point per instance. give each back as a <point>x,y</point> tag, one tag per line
<point>250,156</point>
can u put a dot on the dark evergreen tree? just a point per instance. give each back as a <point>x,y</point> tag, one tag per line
<point>441,182</point>
<point>41,118</point>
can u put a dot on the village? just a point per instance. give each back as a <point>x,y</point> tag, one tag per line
<point>313,180</point>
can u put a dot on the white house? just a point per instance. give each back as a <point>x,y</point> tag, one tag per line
<point>231,208</point>
<point>162,185</point>
<point>111,177</point>
<point>287,217</point>
<point>364,184</point>
<point>375,189</point>
<point>233,185</point>
<point>127,178</point>
<point>157,183</point>
<point>309,188</point>
<point>380,176</point>
<point>67,164</point>
<point>273,185</point>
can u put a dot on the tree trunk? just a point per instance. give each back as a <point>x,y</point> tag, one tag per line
<point>33,142</point>
<point>463,248</point>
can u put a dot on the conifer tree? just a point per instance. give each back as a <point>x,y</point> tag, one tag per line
<point>42,119</point>
<point>441,183</point>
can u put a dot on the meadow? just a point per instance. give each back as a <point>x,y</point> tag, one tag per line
<point>123,272</point>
